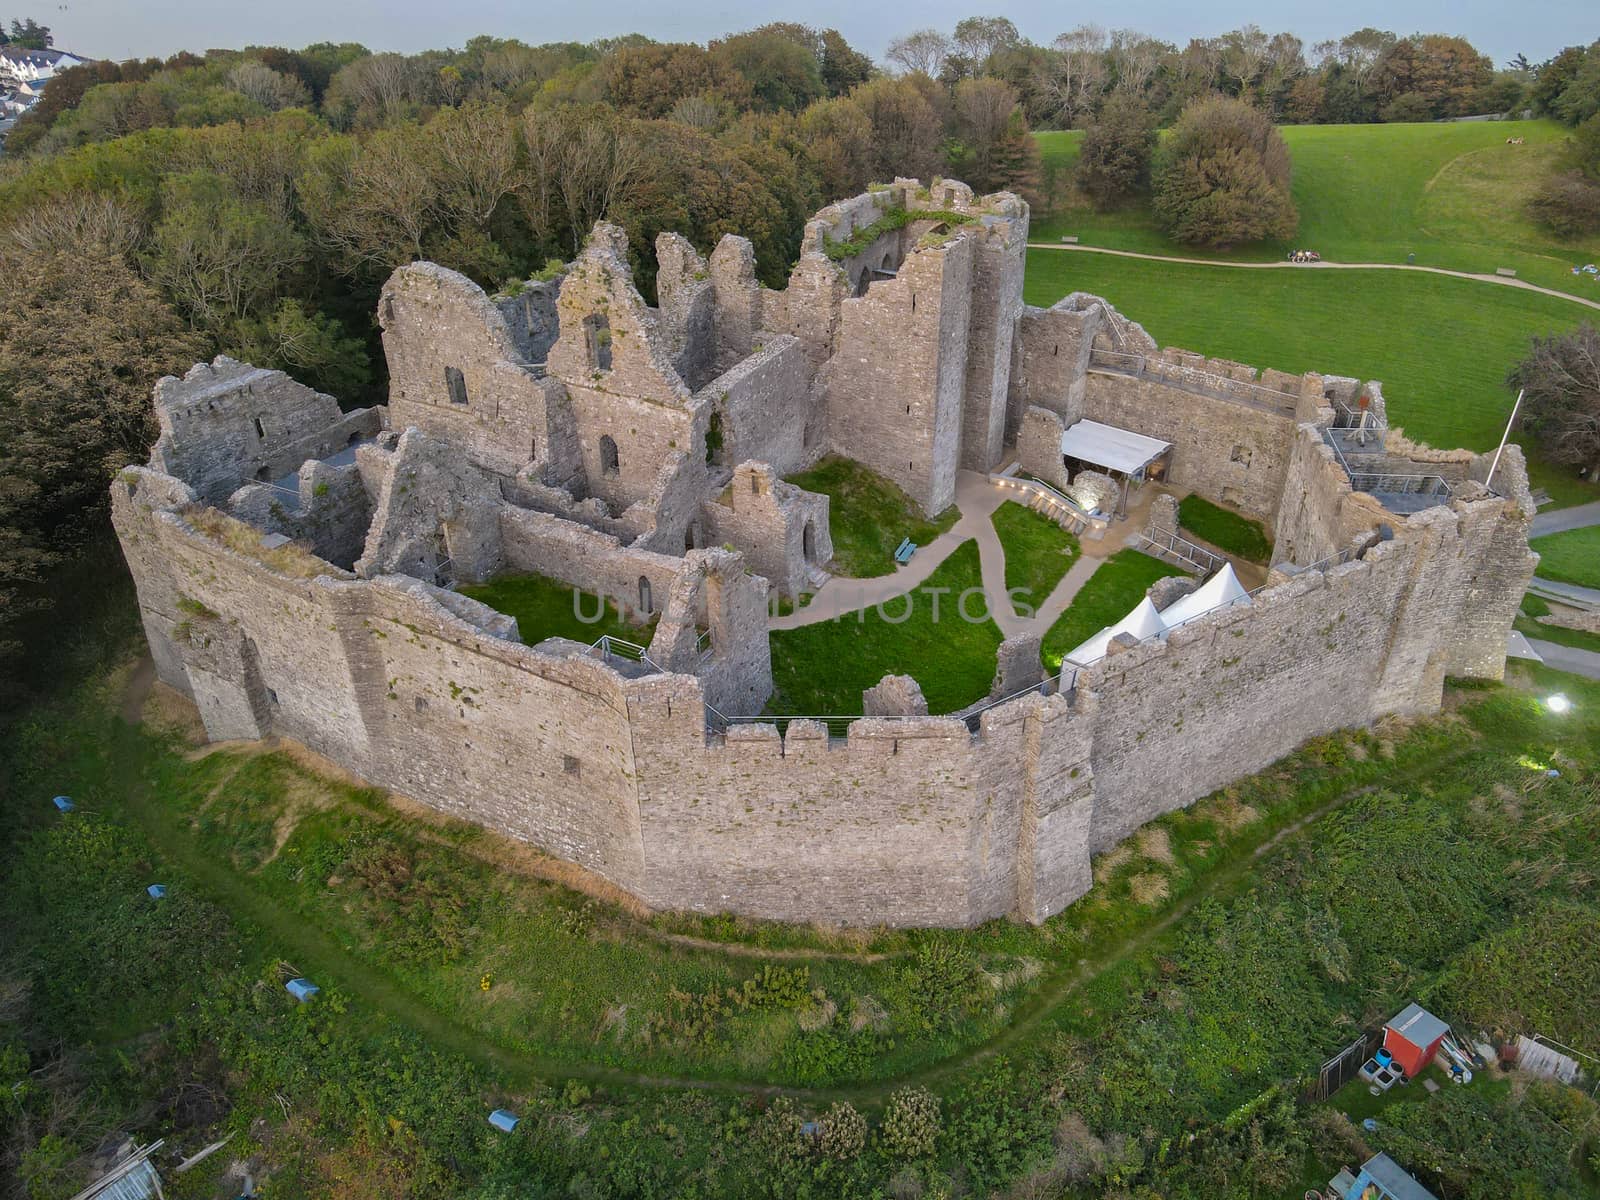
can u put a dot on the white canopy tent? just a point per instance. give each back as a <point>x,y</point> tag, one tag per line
<point>1220,591</point>
<point>1118,451</point>
<point>1107,446</point>
<point>1144,621</point>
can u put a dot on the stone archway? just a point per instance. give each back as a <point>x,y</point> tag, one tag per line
<point>808,542</point>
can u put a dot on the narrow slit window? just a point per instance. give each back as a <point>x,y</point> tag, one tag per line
<point>456,383</point>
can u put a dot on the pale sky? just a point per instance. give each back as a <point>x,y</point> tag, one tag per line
<point>140,28</point>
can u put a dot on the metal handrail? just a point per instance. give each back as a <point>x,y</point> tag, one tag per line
<point>1180,373</point>
<point>1197,556</point>
<point>622,648</point>
<point>1046,492</point>
<point>1426,485</point>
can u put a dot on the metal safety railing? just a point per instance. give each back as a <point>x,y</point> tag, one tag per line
<point>615,647</point>
<point>1182,549</point>
<point>1386,483</point>
<point>1223,387</point>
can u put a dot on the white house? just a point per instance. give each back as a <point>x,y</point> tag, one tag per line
<point>19,65</point>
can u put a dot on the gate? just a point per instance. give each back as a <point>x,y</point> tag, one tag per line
<point>1342,1067</point>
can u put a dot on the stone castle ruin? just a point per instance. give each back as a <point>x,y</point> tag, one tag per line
<point>295,564</point>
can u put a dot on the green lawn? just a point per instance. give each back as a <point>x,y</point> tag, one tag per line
<point>1526,624</point>
<point>547,608</point>
<point>868,516</point>
<point>822,669</point>
<point>1224,529</point>
<point>1038,553</point>
<point>1571,557</point>
<point>1453,195</point>
<point>1440,346</point>
<point>1119,584</point>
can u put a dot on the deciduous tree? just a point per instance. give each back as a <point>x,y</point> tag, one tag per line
<point>1561,401</point>
<point>1222,178</point>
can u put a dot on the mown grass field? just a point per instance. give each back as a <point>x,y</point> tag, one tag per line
<point>1451,194</point>
<point>1570,557</point>
<point>1440,346</point>
<point>1526,623</point>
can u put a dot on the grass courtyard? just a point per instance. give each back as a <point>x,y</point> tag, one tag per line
<point>1038,553</point>
<point>547,608</point>
<point>1224,529</point>
<point>822,669</point>
<point>868,516</point>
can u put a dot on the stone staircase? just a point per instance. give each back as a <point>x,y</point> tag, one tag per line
<point>1065,518</point>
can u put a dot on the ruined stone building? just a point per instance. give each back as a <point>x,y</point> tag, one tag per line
<point>295,563</point>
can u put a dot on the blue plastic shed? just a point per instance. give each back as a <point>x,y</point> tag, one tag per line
<point>302,989</point>
<point>157,890</point>
<point>63,803</point>
<point>504,1120</point>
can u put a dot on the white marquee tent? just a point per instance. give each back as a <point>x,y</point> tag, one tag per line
<point>1220,591</point>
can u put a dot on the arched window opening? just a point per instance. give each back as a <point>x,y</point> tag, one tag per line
<point>808,542</point>
<point>645,605</point>
<point>609,464</point>
<point>261,430</point>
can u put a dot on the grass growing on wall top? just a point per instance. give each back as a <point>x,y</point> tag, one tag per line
<point>1223,528</point>
<point>868,516</point>
<point>822,669</point>
<point>1109,595</point>
<point>1570,557</point>
<point>547,608</point>
<point>1038,552</point>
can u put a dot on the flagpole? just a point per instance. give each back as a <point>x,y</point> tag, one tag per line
<point>1488,483</point>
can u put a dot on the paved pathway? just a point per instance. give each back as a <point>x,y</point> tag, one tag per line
<point>977,499</point>
<point>1562,519</point>
<point>1284,264</point>
<point>1568,658</point>
<point>1570,593</point>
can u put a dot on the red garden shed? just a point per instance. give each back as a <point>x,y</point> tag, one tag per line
<point>1413,1038</point>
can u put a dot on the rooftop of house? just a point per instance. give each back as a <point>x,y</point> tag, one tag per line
<point>1418,1026</point>
<point>1392,1181</point>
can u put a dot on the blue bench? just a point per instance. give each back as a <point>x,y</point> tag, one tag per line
<point>906,550</point>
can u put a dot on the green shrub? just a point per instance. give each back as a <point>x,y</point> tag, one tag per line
<point>911,1123</point>
<point>842,1132</point>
